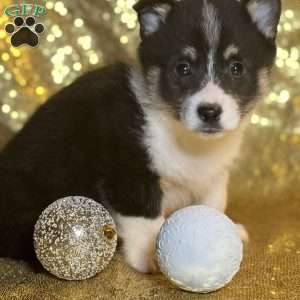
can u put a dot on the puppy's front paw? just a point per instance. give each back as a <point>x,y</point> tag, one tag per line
<point>139,242</point>
<point>243,232</point>
<point>142,260</point>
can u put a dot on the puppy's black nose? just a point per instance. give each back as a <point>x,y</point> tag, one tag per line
<point>209,113</point>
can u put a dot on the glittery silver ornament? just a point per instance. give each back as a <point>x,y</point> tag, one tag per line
<point>199,249</point>
<point>75,238</point>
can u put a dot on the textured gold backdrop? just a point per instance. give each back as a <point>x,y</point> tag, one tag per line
<point>265,186</point>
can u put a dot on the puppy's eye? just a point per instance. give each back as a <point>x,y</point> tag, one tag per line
<point>237,69</point>
<point>183,69</point>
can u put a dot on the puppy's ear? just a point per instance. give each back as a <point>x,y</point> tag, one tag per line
<point>152,14</point>
<point>265,14</point>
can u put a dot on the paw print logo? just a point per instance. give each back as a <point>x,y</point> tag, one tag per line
<point>24,31</point>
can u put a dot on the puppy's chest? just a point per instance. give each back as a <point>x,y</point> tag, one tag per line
<point>184,179</point>
<point>188,167</point>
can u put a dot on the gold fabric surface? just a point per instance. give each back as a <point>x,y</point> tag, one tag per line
<point>265,185</point>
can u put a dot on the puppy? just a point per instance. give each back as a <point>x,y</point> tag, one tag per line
<point>145,140</point>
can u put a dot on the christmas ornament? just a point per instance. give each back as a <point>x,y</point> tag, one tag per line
<point>75,238</point>
<point>199,249</point>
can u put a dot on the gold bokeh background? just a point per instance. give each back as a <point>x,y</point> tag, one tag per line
<point>265,183</point>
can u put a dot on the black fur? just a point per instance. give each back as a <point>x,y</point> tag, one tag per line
<point>83,141</point>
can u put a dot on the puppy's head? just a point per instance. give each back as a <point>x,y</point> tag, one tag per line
<point>206,62</point>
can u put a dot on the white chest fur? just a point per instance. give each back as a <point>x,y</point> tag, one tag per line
<point>188,164</point>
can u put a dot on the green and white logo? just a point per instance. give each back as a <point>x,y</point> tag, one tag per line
<point>25,8</point>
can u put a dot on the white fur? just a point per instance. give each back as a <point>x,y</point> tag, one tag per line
<point>211,24</point>
<point>212,94</point>
<point>242,232</point>
<point>176,196</point>
<point>212,29</point>
<point>190,165</point>
<point>230,51</point>
<point>211,65</point>
<point>139,238</point>
<point>193,169</point>
<point>217,196</point>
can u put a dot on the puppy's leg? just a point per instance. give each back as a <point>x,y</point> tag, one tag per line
<point>139,241</point>
<point>217,198</point>
<point>243,232</point>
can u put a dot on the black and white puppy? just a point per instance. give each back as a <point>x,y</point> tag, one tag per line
<point>145,140</point>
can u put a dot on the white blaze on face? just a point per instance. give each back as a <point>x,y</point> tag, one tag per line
<point>212,29</point>
<point>211,94</point>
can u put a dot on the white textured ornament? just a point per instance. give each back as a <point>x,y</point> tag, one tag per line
<point>199,249</point>
<point>75,238</point>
